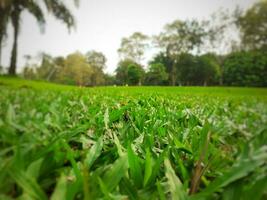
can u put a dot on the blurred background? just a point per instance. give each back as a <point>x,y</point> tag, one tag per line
<point>125,42</point>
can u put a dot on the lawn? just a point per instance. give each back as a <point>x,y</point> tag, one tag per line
<point>65,142</point>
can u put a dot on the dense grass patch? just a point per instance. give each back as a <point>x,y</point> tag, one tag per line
<point>61,142</point>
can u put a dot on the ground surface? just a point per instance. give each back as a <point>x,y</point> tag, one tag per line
<point>63,142</point>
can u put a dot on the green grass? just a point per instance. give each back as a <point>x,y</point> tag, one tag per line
<point>65,142</point>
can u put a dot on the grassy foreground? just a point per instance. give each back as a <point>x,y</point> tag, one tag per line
<point>62,142</point>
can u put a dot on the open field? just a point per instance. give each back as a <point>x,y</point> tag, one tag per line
<point>64,142</point>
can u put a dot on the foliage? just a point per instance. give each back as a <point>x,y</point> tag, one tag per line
<point>60,142</point>
<point>66,70</point>
<point>76,69</point>
<point>129,72</point>
<point>135,74</point>
<point>166,61</point>
<point>133,47</point>
<point>156,74</point>
<point>96,59</point>
<point>191,69</point>
<point>253,26</point>
<point>245,69</point>
<point>180,37</point>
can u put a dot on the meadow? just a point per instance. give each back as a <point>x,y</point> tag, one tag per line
<point>65,142</point>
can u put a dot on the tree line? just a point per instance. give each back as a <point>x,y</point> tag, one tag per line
<point>201,52</point>
<point>189,52</point>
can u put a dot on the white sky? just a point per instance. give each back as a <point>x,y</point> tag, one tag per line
<point>102,23</point>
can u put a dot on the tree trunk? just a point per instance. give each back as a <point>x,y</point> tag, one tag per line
<point>13,63</point>
<point>173,75</point>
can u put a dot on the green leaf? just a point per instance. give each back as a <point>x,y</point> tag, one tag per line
<point>61,188</point>
<point>94,153</point>
<point>148,167</point>
<point>175,185</point>
<point>29,185</point>
<point>257,190</point>
<point>160,191</point>
<point>117,170</point>
<point>135,167</point>
<point>240,169</point>
<point>34,168</point>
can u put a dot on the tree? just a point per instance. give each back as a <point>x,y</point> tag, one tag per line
<point>29,72</point>
<point>56,7</point>
<point>166,61</point>
<point>188,73</point>
<point>129,72</point>
<point>76,70</point>
<point>245,69</point>
<point>97,61</point>
<point>180,37</point>
<point>135,74</point>
<point>253,26</point>
<point>209,71</point>
<point>198,70</point>
<point>156,74</point>
<point>133,47</point>
<point>122,71</point>
<point>47,68</point>
<point>109,79</point>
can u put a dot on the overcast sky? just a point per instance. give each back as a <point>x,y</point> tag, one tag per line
<point>102,23</point>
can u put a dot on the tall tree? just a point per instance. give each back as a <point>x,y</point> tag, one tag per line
<point>97,61</point>
<point>133,47</point>
<point>76,70</point>
<point>56,7</point>
<point>253,26</point>
<point>180,37</point>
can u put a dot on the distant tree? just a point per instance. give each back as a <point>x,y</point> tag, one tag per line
<point>198,70</point>
<point>129,72</point>
<point>29,72</point>
<point>76,70</point>
<point>56,7</point>
<point>253,26</point>
<point>166,61</point>
<point>245,69</point>
<point>133,47</point>
<point>109,79</point>
<point>180,37</point>
<point>98,76</point>
<point>156,74</point>
<point>188,69</point>
<point>209,71</point>
<point>47,67</point>
<point>97,61</point>
<point>122,71</point>
<point>135,74</point>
